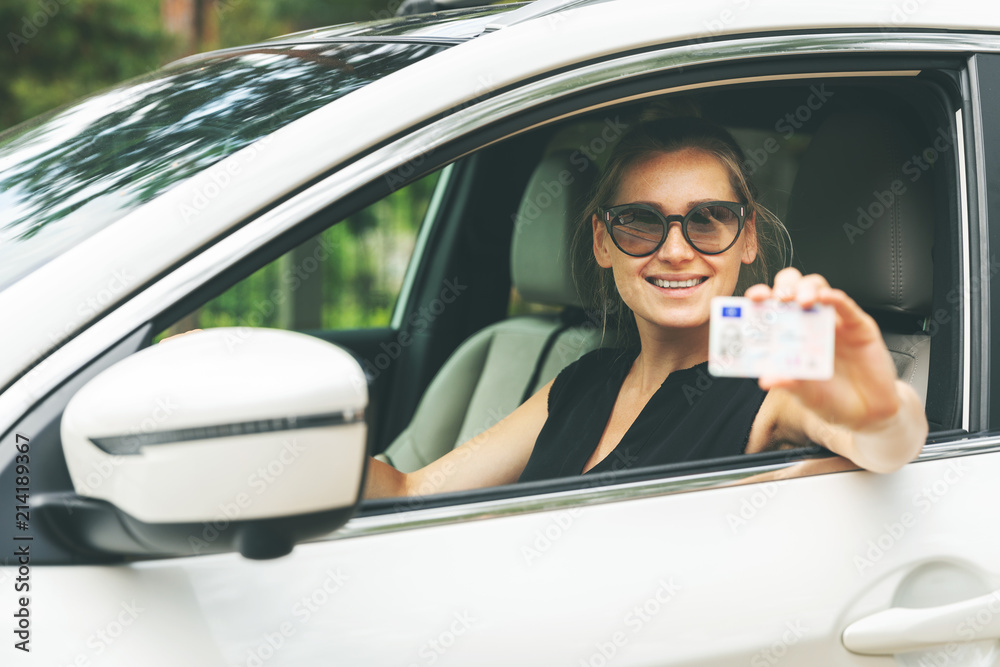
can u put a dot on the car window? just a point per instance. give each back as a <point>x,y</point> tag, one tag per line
<point>831,198</point>
<point>350,276</point>
<point>76,170</point>
<point>347,277</point>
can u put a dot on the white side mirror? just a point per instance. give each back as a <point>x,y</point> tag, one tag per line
<point>258,431</point>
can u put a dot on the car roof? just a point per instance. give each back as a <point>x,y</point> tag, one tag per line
<point>445,28</point>
<point>703,22</point>
<point>455,25</point>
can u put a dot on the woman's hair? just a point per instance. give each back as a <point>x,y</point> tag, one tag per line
<point>667,136</point>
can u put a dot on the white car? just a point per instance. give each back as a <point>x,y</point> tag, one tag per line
<point>197,502</point>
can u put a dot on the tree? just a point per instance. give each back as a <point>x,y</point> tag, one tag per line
<point>57,51</point>
<point>60,50</point>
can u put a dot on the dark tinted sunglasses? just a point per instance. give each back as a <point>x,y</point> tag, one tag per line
<point>639,230</point>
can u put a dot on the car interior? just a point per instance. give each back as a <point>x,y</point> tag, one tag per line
<point>863,171</point>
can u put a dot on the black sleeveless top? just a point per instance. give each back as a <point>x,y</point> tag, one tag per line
<point>693,415</point>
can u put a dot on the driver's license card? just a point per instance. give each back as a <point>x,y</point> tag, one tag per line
<point>770,338</point>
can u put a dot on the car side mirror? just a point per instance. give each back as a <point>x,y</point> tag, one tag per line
<point>225,439</point>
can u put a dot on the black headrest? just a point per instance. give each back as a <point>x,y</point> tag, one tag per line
<point>861,212</point>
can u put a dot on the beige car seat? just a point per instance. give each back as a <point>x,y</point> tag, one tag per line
<point>497,368</point>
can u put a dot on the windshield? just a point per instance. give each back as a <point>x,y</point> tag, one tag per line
<point>74,171</point>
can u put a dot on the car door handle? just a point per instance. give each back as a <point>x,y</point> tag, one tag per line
<point>898,630</point>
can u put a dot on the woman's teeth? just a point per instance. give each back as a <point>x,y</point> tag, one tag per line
<point>676,284</point>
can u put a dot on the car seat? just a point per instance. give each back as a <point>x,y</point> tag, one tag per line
<point>860,220</point>
<point>499,367</point>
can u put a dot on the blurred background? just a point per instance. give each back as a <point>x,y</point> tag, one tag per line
<point>59,50</point>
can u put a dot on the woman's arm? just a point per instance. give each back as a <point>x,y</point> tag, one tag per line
<point>494,457</point>
<point>882,446</point>
<point>863,412</point>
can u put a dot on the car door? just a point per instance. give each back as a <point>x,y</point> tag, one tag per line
<point>676,567</point>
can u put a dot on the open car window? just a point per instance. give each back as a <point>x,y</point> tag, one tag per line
<point>784,129</point>
<point>789,132</point>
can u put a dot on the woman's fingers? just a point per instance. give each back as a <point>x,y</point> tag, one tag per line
<point>791,285</point>
<point>785,282</point>
<point>759,292</point>
<point>179,335</point>
<point>851,317</point>
<point>767,383</point>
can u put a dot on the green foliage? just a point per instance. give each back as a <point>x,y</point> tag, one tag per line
<point>245,21</point>
<point>365,259</point>
<point>55,51</point>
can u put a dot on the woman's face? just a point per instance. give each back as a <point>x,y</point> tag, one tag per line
<point>673,183</point>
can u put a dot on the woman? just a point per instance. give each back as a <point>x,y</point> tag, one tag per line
<point>655,252</point>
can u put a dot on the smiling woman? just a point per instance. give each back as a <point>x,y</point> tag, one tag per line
<point>673,223</point>
<point>720,167</point>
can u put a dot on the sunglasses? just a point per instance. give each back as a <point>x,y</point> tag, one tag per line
<point>639,230</point>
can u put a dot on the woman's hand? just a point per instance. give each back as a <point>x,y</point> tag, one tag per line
<point>884,415</point>
<point>862,389</point>
<point>184,333</point>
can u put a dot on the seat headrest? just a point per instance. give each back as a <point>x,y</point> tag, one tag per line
<point>550,210</point>
<point>861,212</point>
